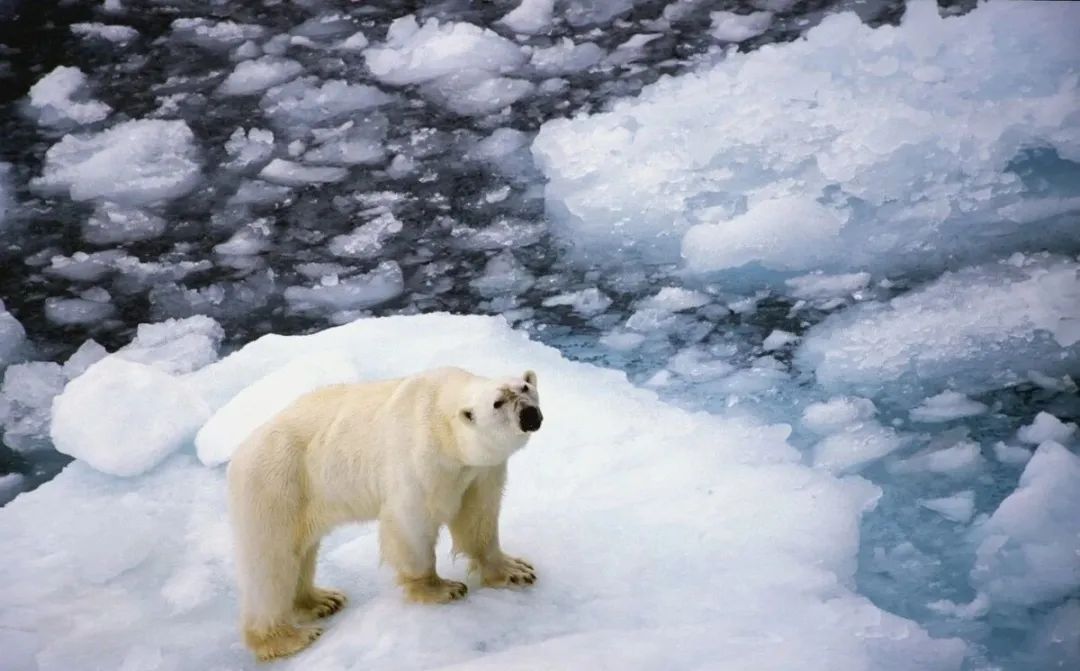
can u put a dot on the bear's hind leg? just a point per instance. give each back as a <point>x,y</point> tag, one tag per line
<point>311,602</point>
<point>271,571</point>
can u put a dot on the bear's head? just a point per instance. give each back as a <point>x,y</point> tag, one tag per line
<point>500,416</point>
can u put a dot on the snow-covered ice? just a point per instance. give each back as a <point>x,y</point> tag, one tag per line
<point>60,98</point>
<point>947,406</point>
<point>1028,549</point>
<point>132,163</point>
<point>759,160</point>
<point>767,584</point>
<point>1045,427</point>
<point>255,76</point>
<point>732,27</point>
<point>123,418</point>
<point>969,331</point>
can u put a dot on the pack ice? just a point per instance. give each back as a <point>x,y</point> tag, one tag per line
<point>664,538</point>
<point>759,162</point>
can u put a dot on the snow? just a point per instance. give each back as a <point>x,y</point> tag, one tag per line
<point>59,99</point>
<point>175,345</point>
<point>732,27</point>
<point>530,17</point>
<point>459,65</point>
<point>758,160</point>
<point>124,418</point>
<point>255,76</point>
<point>959,507</point>
<point>971,331</point>
<point>1045,427</point>
<point>1028,548</point>
<point>727,504</point>
<point>132,163</point>
<point>947,406</point>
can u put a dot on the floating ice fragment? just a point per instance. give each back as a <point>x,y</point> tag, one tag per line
<point>133,163</point>
<point>947,406</point>
<point>586,302</point>
<point>52,99</point>
<point>380,285</point>
<point>732,27</point>
<point>959,507</point>
<point>291,173</point>
<point>778,339</point>
<point>1046,427</point>
<point>255,76</point>
<point>530,17</point>
<point>117,34</point>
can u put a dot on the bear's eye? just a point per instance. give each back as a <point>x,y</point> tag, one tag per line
<point>499,403</point>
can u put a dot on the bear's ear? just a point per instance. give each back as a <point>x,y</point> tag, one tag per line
<point>467,416</point>
<point>530,377</point>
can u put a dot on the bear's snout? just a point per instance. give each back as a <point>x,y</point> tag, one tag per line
<point>530,418</point>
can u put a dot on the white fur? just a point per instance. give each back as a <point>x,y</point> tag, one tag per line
<point>414,453</point>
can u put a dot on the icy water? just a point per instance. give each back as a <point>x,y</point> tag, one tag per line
<point>868,235</point>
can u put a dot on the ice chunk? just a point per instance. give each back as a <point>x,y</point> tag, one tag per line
<point>530,17</point>
<point>586,302</point>
<point>263,399</point>
<point>972,331</point>
<point>1011,454</point>
<point>83,267</point>
<point>111,223</point>
<point>765,235</point>
<point>216,35</point>
<point>913,180</point>
<point>355,42</point>
<point>12,338</point>
<point>778,339</point>
<point>818,285</point>
<point>25,400</point>
<point>367,240</point>
<point>959,507</point>
<point>855,446</point>
<point>111,32</point>
<point>1029,547</point>
<point>249,148</point>
<point>958,460</point>
<point>565,57</point>
<point>10,485</point>
<point>837,413</point>
<point>352,143</point>
<point>675,299</point>
<point>1044,428</point>
<point>77,311</point>
<point>175,345</point>
<point>580,13</point>
<point>947,406</point>
<point>458,64</point>
<point>89,353</point>
<point>503,274</point>
<point>124,418</point>
<point>291,173</point>
<point>306,102</point>
<point>504,233</point>
<point>59,98</point>
<point>732,27</point>
<point>132,163</point>
<point>255,76</point>
<point>251,239</point>
<point>359,292</point>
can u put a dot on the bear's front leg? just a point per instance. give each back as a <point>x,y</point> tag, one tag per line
<point>475,530</point>
<point>407,543</point>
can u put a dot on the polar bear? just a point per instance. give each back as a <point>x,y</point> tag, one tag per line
<point>414,453</point>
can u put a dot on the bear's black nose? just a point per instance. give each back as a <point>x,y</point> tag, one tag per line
<point>530,418</point>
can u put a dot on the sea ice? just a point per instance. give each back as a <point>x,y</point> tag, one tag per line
<point>291,173</point>
<point>358,292</point>
<point>25,400</point>
<point>77,311</point>
<point>175,345</point>
<point>1028,549</point>
<point>969,331</point>
<point>732,27</point>
<point>302,103</point>
<point>530,17</point>
<point>757,160</point>
<point>110,32</point>
<point>59,98</point>
<point>123,418</point>
<point>1046,427</point>
<point>132,163</point>
<point>586,302</point>
<point>111,223</point>
<point>12,338</point>
<point>947,406</point>
<point>255,76</point>
<point>959,507</point>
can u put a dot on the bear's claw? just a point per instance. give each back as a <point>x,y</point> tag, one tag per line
<point>509,571</point>
<point>321,603</point>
